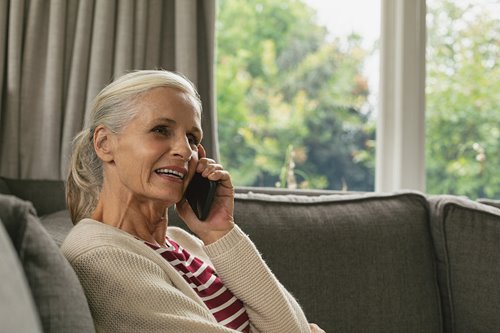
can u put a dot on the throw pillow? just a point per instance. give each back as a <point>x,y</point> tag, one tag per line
<point>17,309</point>
<point>58,295</point>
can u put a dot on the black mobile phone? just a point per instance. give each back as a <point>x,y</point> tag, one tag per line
<point>200,194</point>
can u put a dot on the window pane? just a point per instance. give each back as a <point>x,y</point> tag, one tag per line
<point>296,92</point>
<point>463,99</point>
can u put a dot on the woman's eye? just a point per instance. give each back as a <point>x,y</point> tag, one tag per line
<point>163,130</point>
<point>193,140</point>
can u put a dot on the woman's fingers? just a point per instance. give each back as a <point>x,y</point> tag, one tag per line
<point>209,168</point>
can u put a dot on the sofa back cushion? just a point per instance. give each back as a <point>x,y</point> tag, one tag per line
<point>356,263</point>
<point>46,195</point>
<point>58,225</point>
<point>467,238</point>
<point>4,189</point>
<point>490,202</point>
<point>58,295</point>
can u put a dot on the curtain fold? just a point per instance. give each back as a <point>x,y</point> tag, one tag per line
<point>56,55</point>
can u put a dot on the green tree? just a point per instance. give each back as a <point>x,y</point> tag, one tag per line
<point>463,100</point>
<point>289,101</point>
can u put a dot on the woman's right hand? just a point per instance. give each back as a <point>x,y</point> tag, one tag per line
<point>220,220</point>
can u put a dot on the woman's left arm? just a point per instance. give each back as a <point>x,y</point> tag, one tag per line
<point>269,305</point>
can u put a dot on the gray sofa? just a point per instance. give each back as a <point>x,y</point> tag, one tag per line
<point>399,262</point>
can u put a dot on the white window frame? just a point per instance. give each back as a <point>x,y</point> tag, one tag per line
<point>400,144</point>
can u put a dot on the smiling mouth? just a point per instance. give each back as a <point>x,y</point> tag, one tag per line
<point>170,172</point>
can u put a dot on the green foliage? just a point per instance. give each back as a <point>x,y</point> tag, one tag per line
<point>463,100</point>
<point>291,104</point>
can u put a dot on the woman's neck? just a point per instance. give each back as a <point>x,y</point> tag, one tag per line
<point>142,219</point>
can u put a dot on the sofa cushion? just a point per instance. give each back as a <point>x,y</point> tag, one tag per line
<point>467,239</point>
<point>356,263</point>
<point>59,298</point>
<point>489,202</point>
<point>46,195</point>
<point>58,225</point>
<point>4,189</point>
<point>17,309</point>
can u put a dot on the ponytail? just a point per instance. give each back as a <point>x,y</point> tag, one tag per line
<point>84,180</point>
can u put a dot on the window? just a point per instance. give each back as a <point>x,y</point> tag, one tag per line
<point>296,93</point>
<point>463,98</point>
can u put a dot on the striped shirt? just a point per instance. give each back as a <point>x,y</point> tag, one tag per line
<point>224,306</point>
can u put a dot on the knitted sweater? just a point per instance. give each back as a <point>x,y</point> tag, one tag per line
<point>131,288</point>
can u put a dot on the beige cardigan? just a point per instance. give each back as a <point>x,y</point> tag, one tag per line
<point>131,288</point>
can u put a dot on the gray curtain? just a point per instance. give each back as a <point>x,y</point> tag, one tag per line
<point>55,56</point>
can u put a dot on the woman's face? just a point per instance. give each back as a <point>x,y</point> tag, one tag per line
<point>156,153</point>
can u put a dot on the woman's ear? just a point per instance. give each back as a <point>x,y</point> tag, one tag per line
<point>103,144</point>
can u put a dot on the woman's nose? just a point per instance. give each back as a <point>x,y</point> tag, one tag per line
<point>183,149</point>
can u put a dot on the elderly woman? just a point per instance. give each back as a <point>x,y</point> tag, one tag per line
<point>133,162</point>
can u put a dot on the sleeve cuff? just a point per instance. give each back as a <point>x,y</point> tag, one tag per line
<point>226,243</point>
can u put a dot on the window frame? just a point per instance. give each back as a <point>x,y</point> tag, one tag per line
<point>400,141</point>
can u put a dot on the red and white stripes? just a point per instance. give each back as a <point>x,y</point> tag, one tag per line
<point>227,309</point>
